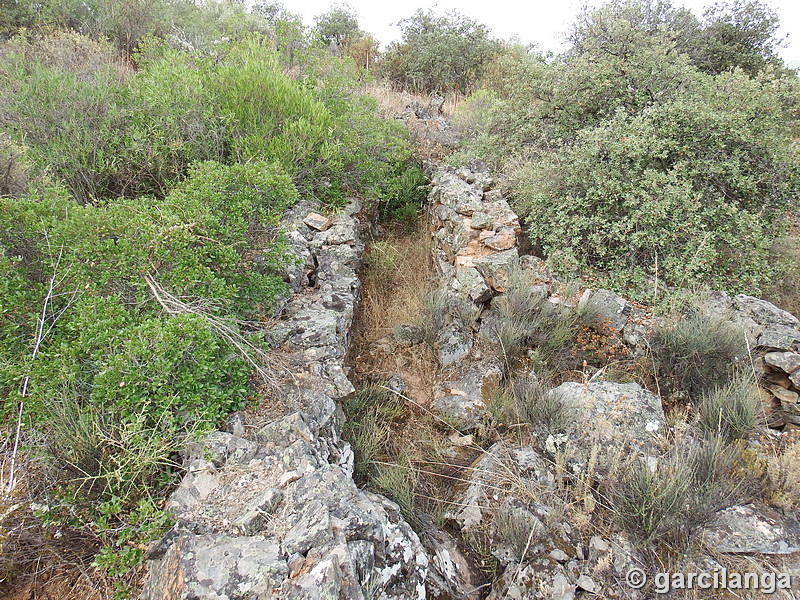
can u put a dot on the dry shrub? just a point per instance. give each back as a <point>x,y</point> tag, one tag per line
<point>783,469</point>
<point>67,51</point>
<point>782,291</point>
<point>393,103</point>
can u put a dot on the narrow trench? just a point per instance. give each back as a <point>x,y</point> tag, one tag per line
<point>397,275</point>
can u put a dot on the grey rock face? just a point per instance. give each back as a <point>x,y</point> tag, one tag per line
<point>497,268</point>
<point>462,399</point>
<point>605,308</point>
<point>753,530</point>
<point>278,515</point>
<point>615,417</point>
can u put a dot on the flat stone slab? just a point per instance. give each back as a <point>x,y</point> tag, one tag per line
<point>619,418</point>
<point>318,221</point>
<point>752,529</point>
<point>788,362</point>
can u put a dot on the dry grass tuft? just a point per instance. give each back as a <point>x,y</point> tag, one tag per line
<point>395,281</point>
<point>393,103</point>
<point>35,563</point>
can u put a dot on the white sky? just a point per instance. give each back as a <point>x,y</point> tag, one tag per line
<point>541,22</point>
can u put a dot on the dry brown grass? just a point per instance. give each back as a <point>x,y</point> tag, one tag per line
<point>393,103</point>
<point>783,292</point>
<point>36,563</point>
<point>395,280</point>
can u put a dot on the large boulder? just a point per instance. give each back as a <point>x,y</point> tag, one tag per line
<point>611,420</point>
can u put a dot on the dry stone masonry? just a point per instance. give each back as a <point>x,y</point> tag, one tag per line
<point>271,511</point>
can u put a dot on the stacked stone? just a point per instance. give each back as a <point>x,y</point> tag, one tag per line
<point>271,510</point>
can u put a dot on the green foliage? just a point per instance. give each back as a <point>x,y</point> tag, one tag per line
<point>696,353</point>
<point>637,165</point>
<point>738,34</point>
<point>337,27</point>
<point>119,384</point>
<point>438,52</point>
<point>405,201</point>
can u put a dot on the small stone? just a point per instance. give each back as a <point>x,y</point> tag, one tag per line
<point>296,562</point>
<point>497,268</point>
<point>586,583</point>
<point>289,477</point>
<point>473,283</point>
<point>788,362</point>
<point>782,394</point>
<point>480,220</point>
<point>503,239</point>
<point>779,337</point>
<point>318,221</point>
<point>461,440</point>
<point>781,379</point>
<point>559,555</point>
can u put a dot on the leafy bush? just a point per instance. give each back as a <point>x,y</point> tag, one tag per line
<point>696,353</point>
<point>636,164</point>
<point>438,52</point>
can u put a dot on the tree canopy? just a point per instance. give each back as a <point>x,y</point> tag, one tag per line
<point>439,52</point>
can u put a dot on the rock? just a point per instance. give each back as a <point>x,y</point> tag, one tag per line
<point>221,448</point>
<point>450,574</point>
<point>752,529</point>
<point>783,394</point>
<point>462,401</point>
<point>476,504</point>
<point>452,344</point>
<point>503,239</point>
<point>763,312</point>
<point>539,579</point>
<point>257,511</point>
<point>788,362</point>
<point>587,583</point>
<point>318,221</point>
<point>605,309</point>
<point>313,529</point>
<point>497,268</point>
<point>473,284</point>
<point>615,417</point>
<point>795,379</point>
<point>469,207</point>
<point>501,214</point>
<point>212,567</point>
<point>779,337</point>
<point>480,220</point>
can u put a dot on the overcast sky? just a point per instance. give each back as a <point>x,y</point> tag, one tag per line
<point>541,22</point>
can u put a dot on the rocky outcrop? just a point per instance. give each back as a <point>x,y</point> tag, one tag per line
<point>270,509</point>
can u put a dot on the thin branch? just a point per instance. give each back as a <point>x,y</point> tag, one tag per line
<point>264,364</point>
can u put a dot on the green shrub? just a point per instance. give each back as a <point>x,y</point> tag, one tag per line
<point>650,504</point>
<point>438,52</point>
<point>696,353</point>
<point>525,322</point>
<point>730,411</point>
